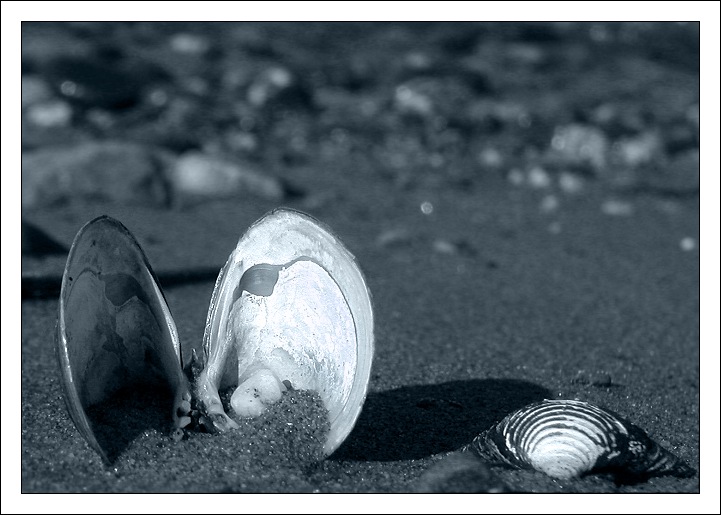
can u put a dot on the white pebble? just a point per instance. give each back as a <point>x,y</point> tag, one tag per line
<point>570,183</point>
<point>411,101</point>
<point>198,174</point>
<point>185,43</point>
<point>491,158</point>
<point>538,178</point>
<point>687,244</point>
<point>279,77</point>
<point>444,247</point>
<point>614,207</point>
<point>50,114</point>
<point>634,152</point>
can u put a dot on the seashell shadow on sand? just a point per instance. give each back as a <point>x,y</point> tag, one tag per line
<point>414,422</point>
<point>406,423</point>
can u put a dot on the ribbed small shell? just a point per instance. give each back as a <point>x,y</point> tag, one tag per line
<point>566,439</point>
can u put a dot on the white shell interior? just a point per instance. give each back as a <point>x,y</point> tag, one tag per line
<point>296,333</point>
<point>315,329</point>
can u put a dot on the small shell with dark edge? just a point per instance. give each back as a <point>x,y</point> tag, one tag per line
<point>290,308</point>
<point>114,327</point>
<point>567,439</point>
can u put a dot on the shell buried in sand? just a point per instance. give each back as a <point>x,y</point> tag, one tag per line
<point>290,310</point>
<point>566,439</point>
<point>114,327</point>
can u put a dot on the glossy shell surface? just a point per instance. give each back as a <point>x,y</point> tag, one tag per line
<point>290,308</point>
<point>567,438</point>
<point>114,326</point>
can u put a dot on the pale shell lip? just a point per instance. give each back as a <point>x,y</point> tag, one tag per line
<point>280,237</point>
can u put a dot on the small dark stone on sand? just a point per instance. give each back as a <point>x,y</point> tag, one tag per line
<point>460,472</point>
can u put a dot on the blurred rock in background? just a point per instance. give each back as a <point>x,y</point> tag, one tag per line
<point>155,112</point>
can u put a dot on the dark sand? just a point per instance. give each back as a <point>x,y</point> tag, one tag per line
<point>605,311</point>
<point>487,295</point>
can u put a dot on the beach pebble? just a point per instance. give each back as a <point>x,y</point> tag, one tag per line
<point>687,244</point>
<point>615,207</point>
<point>278,84</point>
<point>186,43</point>
<point>538,178</point>
<point>55,113</point>
<point>114,170</point>
<point>409,100</point>
<point>570,183</point>
<point>269,83</point>
<point>490,158</point>
<point>524,54</point>
<point>639,150</point>
<point>460,472</point>
<point>418,60</point>
<point>198,174</point>
<point>580,145</point>
<point>442,246</point>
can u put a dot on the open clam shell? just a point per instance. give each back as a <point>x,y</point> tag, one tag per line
<point>567,439</point>
<point>290,308</point>
<point>114,326</point>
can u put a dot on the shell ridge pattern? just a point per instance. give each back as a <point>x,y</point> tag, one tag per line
<point>567,439</point>
<point>573,434</point>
